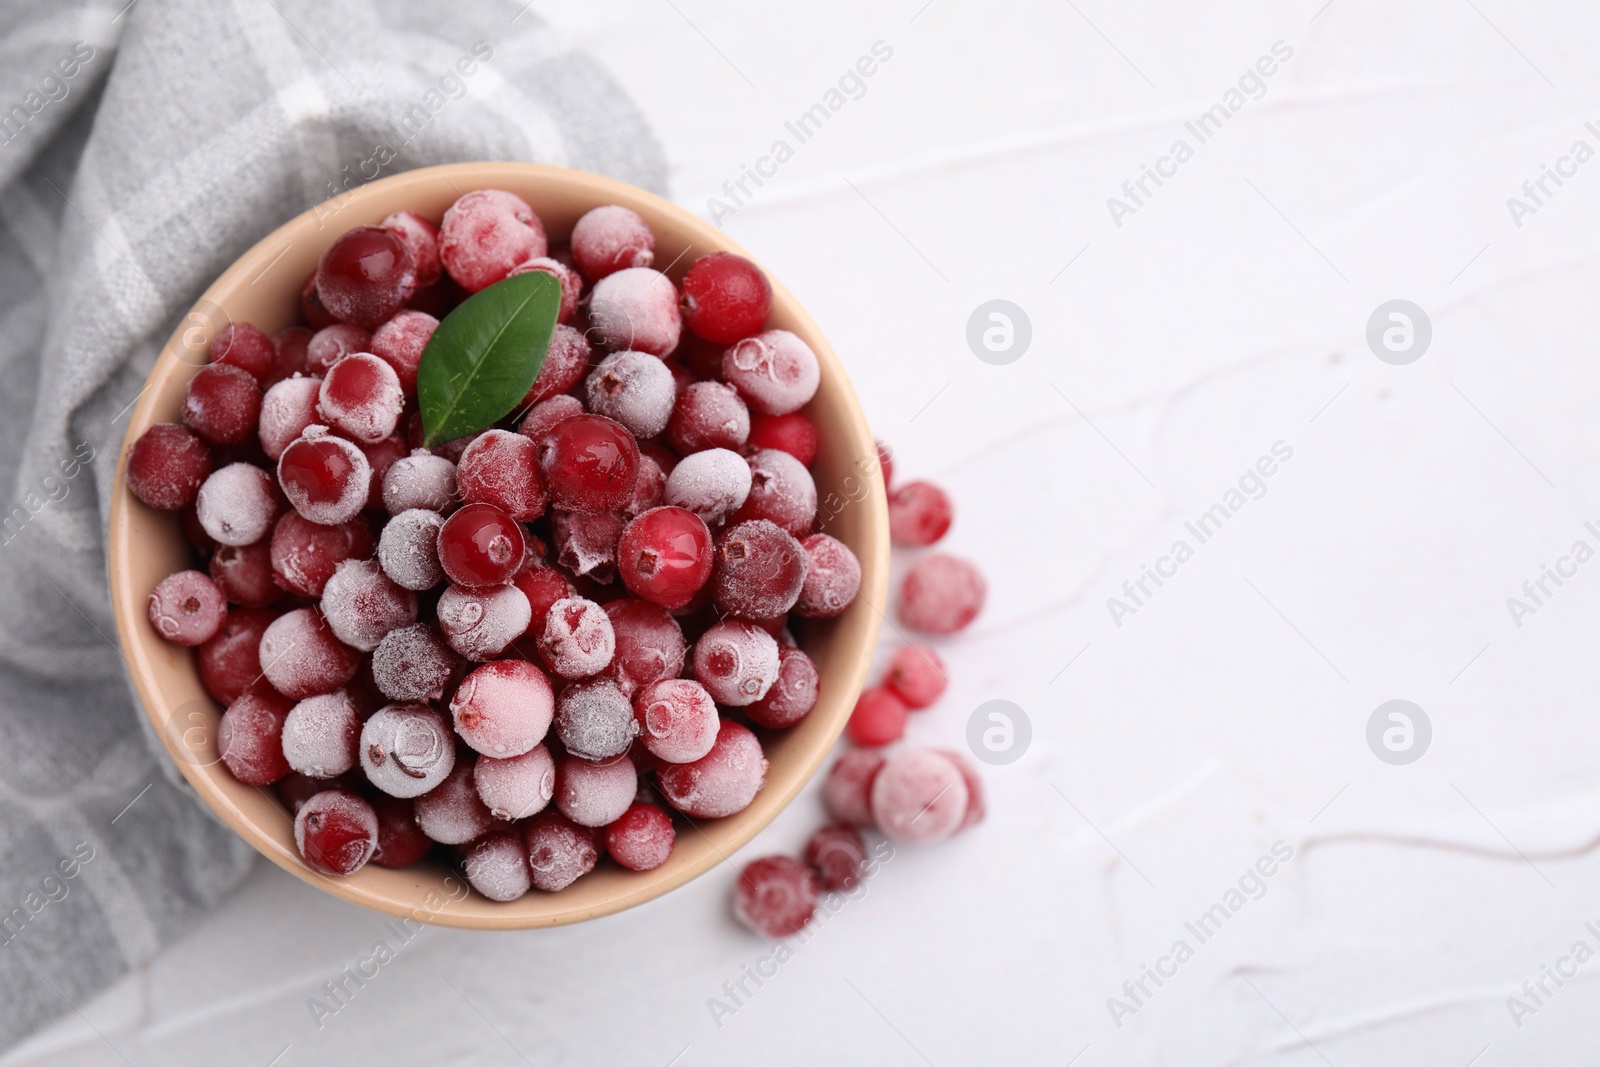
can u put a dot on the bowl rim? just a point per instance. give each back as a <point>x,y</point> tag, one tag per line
<point>137,644</point>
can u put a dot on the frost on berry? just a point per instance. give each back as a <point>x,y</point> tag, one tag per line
<point>941,594</point>
<point>497,866</point>
<point>969,774</point>
<point>712,484</point>
<point>326,478</point>
<point>578,640</point>
<point>792,433</point>
<point>501,468</point>
<point>517,787</point>
<point>287,409</point>
<point>833,578</point>
<point>503,708</point>
<point>650,644</point>
<point>406,749</point>
<point>361,396</point>
<point>412,664</point>
<point>479,625</point>
<point>611,238</point>
<point>365,275</point>
<point>485,234</point>
<point>571,283</point>
<point>847,790</point>
<point>451,813</point>
<point>167,466</point>
<point>737,662</point>
<point>594,719</point>
<point>838,855</point>
<point>401,841</point>
<point>187,608</point>
<point>230,662</point>
<point>916,675</point>
<point>408,549</point>
<point>362,604</point>
<point>547,414</point>
<point>633,388</point>
<point>250,736</point>
<point>559,851</point>
<point>642,838</point>
<point>421,239</point>
<point>332,343</point>
<point>305,554</point>
<point>919,514</point>
<point>586,542</point>
<point>400,343</point>
<point>336,832</point>
<point>879,718</point>
<point>595,793</point>
<point>781,491</point>
<point>637,309</point>
<point>565,362</point>
<point>677,719</point>
<point>236,505</point>
<point>723,781</point>
<point>420,480</point>
<point>242,345</point>
<point>775,371</point>
<point>709,415</point>
<point>320,735</point>
<point>758,571</point>
<point>301,657</point>
<point>222,404</point>
<point>792,696</point>
<point>919,797</point>
<point>776,896</point>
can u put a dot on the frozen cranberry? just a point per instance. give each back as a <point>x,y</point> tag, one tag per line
<point>594,719</point>
<point>737,662</point>
<point>559,851</point>
<point>221,404</point>
<point>496,865</point>
<point>336,832</point>
<point>451,813</point>
<point>641,838</point>
<point>408,549</point>
<point>546,415</point>
<point>420,480</point>
<point>725,297</point>
<point>231,661</point>
<point>595,793</point>
<point>412,664</point>
<point>919,798</point>
<point>243,573</point>
<point>969,775</point>
<point>543,586</point>
<point>517,787</point>
<point>361,397</point>
<point>406,749</point>
<point>167,465</point>
<point>838,855</point>
<point>775,371</point>
<point>709,415</point>
<point>480,547</point>
<point>187,608</point>
<point>401,841</point>
<point>571,284</point>
<point>677,719</point>
<point>792,433</point>
<point>712,484</point>
<point>286,410</point>
<point>916,675</point>
<point>242,345</point>
<point>776,896</point>
<point>421,239</point>
<point>833,578</point>
<point>503,709</point>
<point>361,604</point>
<point>305,554</point>
<point>332,343</point>
<point>301,657</point>
<point>485,234</point>
<point>366,275</point>
<point>578,640</point>
<point>502,468</point>
<point>781,490</point>
<point>649,487</point>
<point>289,350</point>
<point>847,791</point>
<point>636,309</point>
<point>886,463</point>
<point>236,504</point>
<point>400,343</point>
<point>722,782</point>
<point>250,736</point>
<point>611,238</point>
<point>650,644</point>
<point>919,514</point>
<point>326,478</point>
<point>316,316</point>
<point>664,556</point>
<point>589,464</point>
<point>382,455</point>
<point>320,735</point>
<point>879,718</point>
<point>586,542</point>
<point>565,362</point>
<point>941,594</point>
<point>758,571</point>
<point>635,389</point>
<point>792,696</point>
<point>479,625</point>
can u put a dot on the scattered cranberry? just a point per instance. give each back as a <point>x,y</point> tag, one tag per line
<point>636,309</point>
<point>496,865</point>
<point>611,238</point>
<point>242,345</point>
<point>406,749</point>
<point>504,708</point>
<point>301,657</point>
<point>919,514</point>
<point>589,464</point>
<point>236,505</point>
<point>833,578</point>
<point>305,554</point>
<point>479,625</point>
<point>565,362</point>
<point>941,594</point>
<point>559,851</point>
<point>725,297</point>
<point>838,855</point>
<point>362,604</point>
<point>916,675</point>
<point>451,813</point>
<point>969,775</point>
<point>919,797</point>
<point>635,389</point>
<point>792,696</point>
<point>664,556</point>
<point>336,832</point>
<point>326,478</point>
<point>776,896</point>
<point>361,397</point>
<point>712,484</point>
<point>412,664</point>
<point>709,415</point>
<point>792,433</point>
<point>517,787</point>
<point>231,661</point>
<point>759,569</point>
<point>421,239</point>
<point>222,404</point>
<point>720,783</point>
<point>250,736</point>
<point>401,841</point>
<point>641,838</point>
<point>167,466</point>
<point>775,371</point>
<point>847,790</point>
<point>480,547</point>
<point>594,720</point>
<point>878,719</point>
<point>485,234</point>
<point>332,343</point>
<point>320,735</point>
<point>286,410</point>
<point>243,573</point>
<point>366,275</point>
<point>502,468</point>
<point>737,662</point>
<point>677,719</point>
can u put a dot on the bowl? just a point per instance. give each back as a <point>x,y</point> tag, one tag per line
<point>145,545</point>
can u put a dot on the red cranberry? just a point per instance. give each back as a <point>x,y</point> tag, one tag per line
<point>664,556</point>
<point>486,233</point>
<point>919,514</point>
<point>916,675</point>
<point>502,468</point>
<point>311,308</point>
<point>848,788</point>
<point>565,363</point>
<point>518,787</point>
<point>792,433</point>
<point>327,479</point>
<point>543,586</point>
<point>725,297</point>
<point>236,504</point>
<point>406,749</point>
<point>167,465</point>
<point>594,794</point>
<point>305,554</point>
<point>250,736</point>
<point>332,343</point>
<point>737,662</point>
<point>301,657</point>
<point>838,855</point>
<point>792,696</point>
<point>759,569</point>
<point>589,464</point>
<point>480,547</point>
<point>503,709</point>
<point>712,484</point>
<point>722,782</point>
<point>547,414</point>
<point>833,578</point>
<point>941,594</point>
<point>611,238</point>
<point>361,397</point>
<point>187,608</point>
<point>366,275</point>
<point>571,284</point>
<point>636,309</point>
<point>286,410</point>
<point>222,404</point>
<point>336,832</point>
<point>320,734</point>
<point>480,624</point>
<point>709,415</point>
<point>412,664</point>
<point>401,841</point>
<point>421,239</point>
<point>781,490</point>
<point>578,640</point>
<point>775,371</point>
<point>496,865</point>
<point>650,644</point>
<point>634,388</point>
<point>362,604</point>
<point>559,851</point>
<point>451,813</point>
<point>677,719</point>
<point>776,896</point>
<point>244,574</point>
<point>231,661</point>
<point>919,797</point>
<point>408,549</point>
<point>242,345</point>
<point>641,839</point>
<point>400,343</point>
<point>878,719</point>
<point>594,720</point>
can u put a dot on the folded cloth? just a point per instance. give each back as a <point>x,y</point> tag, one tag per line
<point>144,147</point>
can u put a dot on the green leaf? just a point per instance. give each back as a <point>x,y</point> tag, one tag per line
<point>484,356</point>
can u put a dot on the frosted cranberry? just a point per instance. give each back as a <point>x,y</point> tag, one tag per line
<point>243,574</point>
<point>412,664</point>
<point>649,488</point>
<point>611,238</point>
<point>362,604</point>
<point>517,787</point>
<point>919,798</point>
<point>485,234</point>
<point>361,397</point>
<point>758,571</point>
<point>650,644</point>
<point>571,284</point>
<point>775,371</point>
<point>916,675</point>
<point>919,514</point>
<point>878,719</point>
<point>559,852</point>
<point>578,640</point>
<point>305,554</point>
<point>502,468</point>
<point>677,719</point>
<point>969,775</point>
<point>792,433</point>
<point>776,896</point>
<point>636,309</point>
<point>585,543</point>
<point>641,838</point>
<point>838,855</point>
<point>316,316</point>
<point>792,696</point>
<point>286,410</point>
<point>633,388</point>
<point>833,578</point>
<point>221,404</point>
<point>408,549</point>
<point>543,586</point>
<point>781,490</point>
<point>236,505</point>
<point>503,709</point>
<point>479,625</point>
<point>941,594</point>
<point>725,297</point>
<point>451,813</point>
<point>496,865</point>
<point>594,719</point>
<point>167,465</point>
<point>886,463</point>
<point>565,362</point>
<point>320,735</point>
<point>421,239</point>
<point>382,455</point>
<point>709,415</point>
<point>722,782</point>
<point>366,275</point>
<point>737,662</point>
<point>594,794</point>
<point>231,661</point>
<point>712,484</point>
<point>187,608</point>
<point>326,478</point>
<point>401,841</point>
<point>406,749</point>
<point>301,657</point>
<point>589,464</point>
<point>847,790</point>
<point>480,547</point>
<point>332,343</point>
<point>336,832</point>
<point>400,343</point>
<point>664,556</point>
<point>242,345</point>
<point>420,480</point>
<point>546,415</point>
<point>250,736</point>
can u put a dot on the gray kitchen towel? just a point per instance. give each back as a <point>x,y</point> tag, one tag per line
<point>143,146</point>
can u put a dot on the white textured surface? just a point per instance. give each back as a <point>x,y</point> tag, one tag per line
<point>1230,710</point>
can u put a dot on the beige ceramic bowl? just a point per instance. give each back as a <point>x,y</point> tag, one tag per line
<point>145,545</point>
